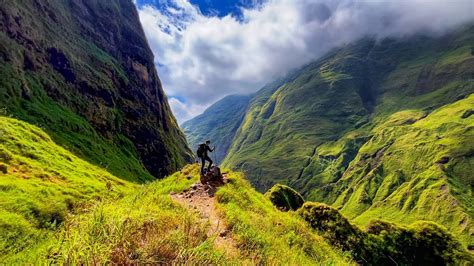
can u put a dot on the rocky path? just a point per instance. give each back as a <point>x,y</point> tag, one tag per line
<point>200,198</point>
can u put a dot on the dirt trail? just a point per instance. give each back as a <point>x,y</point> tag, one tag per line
<point>200,198</point>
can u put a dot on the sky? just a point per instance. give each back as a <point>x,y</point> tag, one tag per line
<point>207,49</point>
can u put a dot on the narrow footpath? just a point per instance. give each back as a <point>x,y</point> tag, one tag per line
<point>200,198</point>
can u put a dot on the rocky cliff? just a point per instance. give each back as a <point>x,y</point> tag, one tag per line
<point>83,71</point>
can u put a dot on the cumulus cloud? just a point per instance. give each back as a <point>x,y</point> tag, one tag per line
<point>203,58</point>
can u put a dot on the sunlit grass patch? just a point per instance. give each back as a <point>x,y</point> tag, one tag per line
<point>41,183</point>
<point>267,235</point>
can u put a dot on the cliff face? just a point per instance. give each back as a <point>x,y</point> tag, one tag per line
<point>83,71</point>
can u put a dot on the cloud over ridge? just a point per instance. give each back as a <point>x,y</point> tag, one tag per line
<point>201,59</point>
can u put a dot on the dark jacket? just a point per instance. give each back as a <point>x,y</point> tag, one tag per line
<point>207,149</point>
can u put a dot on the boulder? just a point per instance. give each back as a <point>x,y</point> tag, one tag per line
<point>212,176</point>
<point>284,197</point>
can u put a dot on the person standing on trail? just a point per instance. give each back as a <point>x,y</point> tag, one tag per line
<point>202,154</point>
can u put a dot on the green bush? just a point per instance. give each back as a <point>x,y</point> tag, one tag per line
<point>386,243</point>
<point>284,197</point>
<point>337,230</point>
<point>421,243</point>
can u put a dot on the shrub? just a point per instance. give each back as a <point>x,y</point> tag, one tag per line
<point>336,229</point>
<point>284,197</point>
<point>384,242</point>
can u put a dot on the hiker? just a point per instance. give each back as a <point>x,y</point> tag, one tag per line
<point>202,154</point>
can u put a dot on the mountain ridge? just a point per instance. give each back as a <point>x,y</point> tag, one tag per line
<point>307,130</point>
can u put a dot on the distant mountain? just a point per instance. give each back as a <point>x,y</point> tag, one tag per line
<point>83,71</point>
<point>218,123</point>
<point>366,129</point>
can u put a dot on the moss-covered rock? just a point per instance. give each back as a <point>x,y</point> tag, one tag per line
<point>285,198</point>
<point>386,243</point>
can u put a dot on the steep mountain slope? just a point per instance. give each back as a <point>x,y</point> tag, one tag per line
<point>41,183</point>
<point>414,167</point>
<point>83,71</point>
<point>218,123</point>
<point>361,83</point>
<point>306,130</point>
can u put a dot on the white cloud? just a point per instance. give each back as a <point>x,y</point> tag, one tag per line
<point>185,111</point>
<point>202,59</point>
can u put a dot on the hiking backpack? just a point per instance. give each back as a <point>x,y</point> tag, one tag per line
<point>201,149</point>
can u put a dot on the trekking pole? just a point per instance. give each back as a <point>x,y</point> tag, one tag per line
<point>215,155</point>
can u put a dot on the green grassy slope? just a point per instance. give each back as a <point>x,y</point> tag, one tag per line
<point>218,123</point>
<point>83,71</point>
<point>267,235</point>
<point>58,208</point>
<point>307,132</point>
<point>41,183</point>
<point>414,168</point>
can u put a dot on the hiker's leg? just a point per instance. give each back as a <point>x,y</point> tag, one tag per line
<point>210,163</point>
<point>203,163</point>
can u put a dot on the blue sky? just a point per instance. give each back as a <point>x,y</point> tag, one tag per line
<point>219,8</point>
<point>207,49</point>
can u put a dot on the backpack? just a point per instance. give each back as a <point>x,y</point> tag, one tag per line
<point>201,150</point>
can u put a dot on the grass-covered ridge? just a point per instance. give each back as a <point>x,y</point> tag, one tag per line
<point>146,226</point>
<point>414,168</point>
<point>57,208</point>
<point>41,184</point>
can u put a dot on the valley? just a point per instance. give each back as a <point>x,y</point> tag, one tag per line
<point>365,129</point>
<point>363,156</point>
